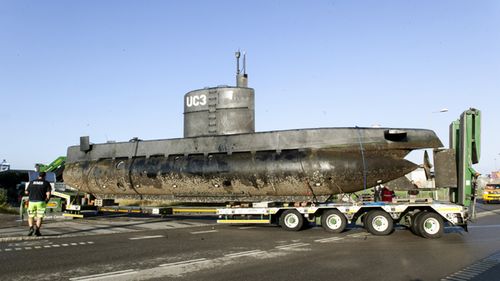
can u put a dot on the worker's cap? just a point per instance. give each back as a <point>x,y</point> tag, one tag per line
<point>42,174</point>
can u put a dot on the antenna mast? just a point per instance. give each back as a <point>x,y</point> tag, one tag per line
<point>241,79</point>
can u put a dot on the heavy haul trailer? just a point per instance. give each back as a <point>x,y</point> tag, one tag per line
<point>427,218</point>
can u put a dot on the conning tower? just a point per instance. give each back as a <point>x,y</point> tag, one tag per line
<point>222,110</point>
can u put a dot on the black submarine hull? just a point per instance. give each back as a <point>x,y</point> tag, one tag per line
<point>278,165</point>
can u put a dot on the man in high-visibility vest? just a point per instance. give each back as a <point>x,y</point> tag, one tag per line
<point>39,194</point>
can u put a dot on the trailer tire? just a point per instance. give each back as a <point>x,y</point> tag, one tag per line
<point>430,225</point>
<point>333,221</point>
<point>379,223</point>
<point>291,220</point>
<point>364,220</point>
<point>414,222</point>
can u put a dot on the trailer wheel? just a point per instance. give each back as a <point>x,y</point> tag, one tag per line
<point>333,221</point>
<point>379,222</point>
<point>291,220</point>
<point>414,222</point>
<point>430,225</point>
<point>363,219</point>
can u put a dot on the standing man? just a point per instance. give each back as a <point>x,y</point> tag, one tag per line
<point>39,194</point>
<point>377,191</point>
<point>387,194</point>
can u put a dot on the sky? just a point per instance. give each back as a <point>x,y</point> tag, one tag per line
<point>114,70</point>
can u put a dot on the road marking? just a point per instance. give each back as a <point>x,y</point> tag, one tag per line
<point>355,235</point>
<point>475,269</point>
<point>246,253</point>
<point>146,237</point>
<point>184,262</point>
<point>487,213</point>
<point>175,269</point>
<point>104,275</point>
<point>456,279</point>
<point>326,240</point>
<point>43,246</point>
<point>465,274</point>
<point>292,246</point>
<point>204,231</point>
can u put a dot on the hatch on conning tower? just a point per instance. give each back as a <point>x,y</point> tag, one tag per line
<point>222,110</point>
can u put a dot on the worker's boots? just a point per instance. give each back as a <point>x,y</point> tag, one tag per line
<point>31,231</point>
<point>37,232</point>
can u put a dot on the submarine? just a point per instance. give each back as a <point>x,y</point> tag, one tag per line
<point>222,159</point>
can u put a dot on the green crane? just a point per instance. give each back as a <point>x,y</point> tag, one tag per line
<point>54,165</point>
<point>453,166</point>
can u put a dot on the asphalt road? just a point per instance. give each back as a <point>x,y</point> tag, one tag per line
<point>220,252</point>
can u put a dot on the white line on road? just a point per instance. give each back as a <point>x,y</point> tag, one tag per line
<point>475,269</point>
<point>45,246</point>
<point>184,262</point>
<point>355,235</point>
<point>104,275</point>
<point>326,240</point>
<point>486,213</point>
<point>172,270</point>
<point>205,231</point>
<point>146,237</point>
<point>291,246</point>
<point>246,253</point>
<point>455,279</point>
